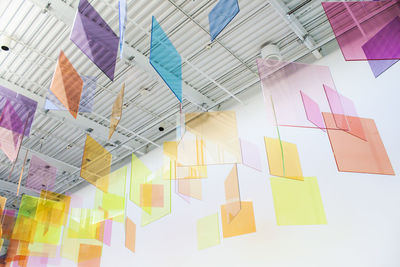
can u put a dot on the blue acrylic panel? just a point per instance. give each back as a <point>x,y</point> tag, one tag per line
<point>165,59</point>
<point>122,25</point>
<point>221,15</point>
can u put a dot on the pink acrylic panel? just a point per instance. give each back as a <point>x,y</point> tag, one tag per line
<point>313,112</point>
<point>41,176</point>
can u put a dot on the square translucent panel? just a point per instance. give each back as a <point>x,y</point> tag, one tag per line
<point>67,85</point>
<point>313,112</point>
<point>232,194</point>
<point>116,113</point>
<point>95,38</point>
<point>250,155</point>
<point>221,15</point>
<point>208,232</point>
<point>86,101</point>
<point>353,154</point>
<point>165,59</point>
<point>41,175</point>
<point>283,159</point>
<point>210,138</point>
<point>357,23</point>
<point>96,164</point>
<point>297,202</point>
<point>17,111</point>
<point>243,223</point>
<point>113,201</point>
<point>191,188</point>
<point>283,85</point>
<point>122,8</point>
<point>130,235</point>
<point>89,255</point>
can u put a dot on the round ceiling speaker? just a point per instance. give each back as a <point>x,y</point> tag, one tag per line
<point>272,54</point>
<point>5,43</point>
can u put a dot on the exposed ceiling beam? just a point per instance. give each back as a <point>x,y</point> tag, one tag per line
<point>66,13</point>
<point>11,187</point>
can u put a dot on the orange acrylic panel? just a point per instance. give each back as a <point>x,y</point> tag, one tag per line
<point>67,85</point>
<point>243,223</point>
<point>96,164</point>
<point>353,154</point>
<point>116,113</point>
<point>232,194</point>
<point>151,195</point>
<point>89,255</point>
<point>190,188</point>
<point>130,235</point>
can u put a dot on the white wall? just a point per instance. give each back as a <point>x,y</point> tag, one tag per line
<point>362,210</point>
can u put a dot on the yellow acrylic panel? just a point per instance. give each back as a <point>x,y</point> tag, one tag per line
<point>283,159</point>
<point>59,214</point>
<point>297,202</point>
<point>208,232</point>
<point>85,223</point>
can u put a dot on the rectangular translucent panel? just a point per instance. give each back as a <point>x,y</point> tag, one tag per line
<point>130,235</point>
<point>312,110</point>
<point>360,22</point>
<point>165,59</point>
<point>41,175</point>
<point>116,113</point>
<point>283,159</point>
<point>89,255</point>
<point>67,85</point>
<point>156,213</point>
<point>151,195</point>
<point>210,138</point>
<point>221,15</point>
<point>353,154</point>
<point>96,164</point>
<point>380,66</point>
<point>284,83</point>
<point>232,194</point>
<point>113,201</point>
<point>139,174</point>
<point>208,231</point>
<point>87,96</point>
<point>122,8</point>
<point>17,111</point>
<point>250,155</point>
<point>243,223</point>
<point>190,188</point>
<point>297,202</point>
<point>95,38</point>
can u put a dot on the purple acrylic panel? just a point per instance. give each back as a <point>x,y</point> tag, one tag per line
<point>380,66</point>
<point>87,96</point>
<point>250,155</point>
<point>23,111</point>
<point>386,43</point>
<point>283,81</point>
<point>355,23</point>
<point>95,38</point>
<point>313,112</point>
<point>41,175</point>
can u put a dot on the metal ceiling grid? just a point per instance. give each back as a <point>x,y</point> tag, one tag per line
<point>213,69</point>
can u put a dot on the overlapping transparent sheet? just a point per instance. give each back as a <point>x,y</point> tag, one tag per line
<point>87,96</point>
<point>122,10</point>
<point>95,38</point>
<point>353,154</point>
<point>116,112</point>
<point>130,235</point>
<point>165,59</point>
<point>283,159</point>
<point>96,164</point>
<point>208,231</point>
<point>67,85</point>
<point>113,201</point>
<point>41,175</point>
<point>312,110</point>
<point>210,138</point>
<point>380,66</point>
<point>283,84</point>
<point>221,15</point>
<point>297,202</point>
<point>243,223</point>
<point>151,191</point>
<point>357,23</point>
<point>250,155</point>
<point>190,188</point>
<point>232,194</point>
